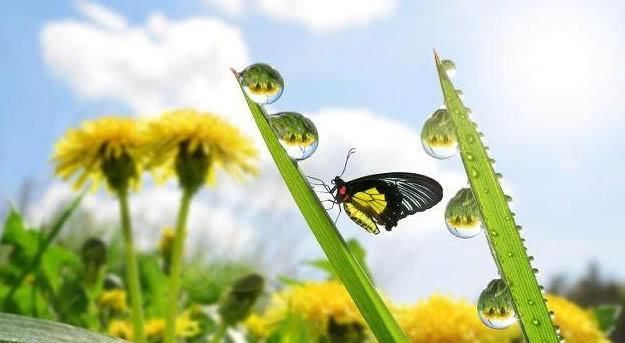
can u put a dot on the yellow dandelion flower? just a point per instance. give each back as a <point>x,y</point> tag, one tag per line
<point>121,329</point>
<point>441,319</point>
<point>192,144</point>
<point>318,302</point>
<point>186,326</point>
<point>155,328</point>
<point>106,148</point>
<point>257,325</point>
<point>576,324</point>
<point>114,299</point>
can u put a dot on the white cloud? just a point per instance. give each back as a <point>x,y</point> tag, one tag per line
<point>316,15</point>
<point>159,65</point>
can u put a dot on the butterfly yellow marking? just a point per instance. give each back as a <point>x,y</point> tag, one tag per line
<point>370,200</point>
<point>361,218</point>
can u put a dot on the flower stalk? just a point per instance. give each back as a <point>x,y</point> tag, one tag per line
<point>175,267</point>
<point>132,270</point>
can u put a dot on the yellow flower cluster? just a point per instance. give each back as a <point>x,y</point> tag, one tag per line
<point>118,148</point>
<point>576,324</point>
<point>317,302</point>
<point>114,299</point>
<point>441,319</point>
<point>155,328</point>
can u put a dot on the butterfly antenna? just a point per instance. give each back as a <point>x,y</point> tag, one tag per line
<point>349,153</point>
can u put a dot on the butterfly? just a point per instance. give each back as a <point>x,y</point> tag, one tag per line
<point>383,199</point>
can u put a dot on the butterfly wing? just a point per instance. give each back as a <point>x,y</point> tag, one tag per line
<point>361,218</point>
<point>389,197</point>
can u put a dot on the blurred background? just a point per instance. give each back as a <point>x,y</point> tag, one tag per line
<point>542,79</point>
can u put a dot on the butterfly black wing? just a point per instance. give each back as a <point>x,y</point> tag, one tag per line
<point>389,197</point>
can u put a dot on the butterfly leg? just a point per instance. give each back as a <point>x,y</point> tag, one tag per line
<point>338,215</point>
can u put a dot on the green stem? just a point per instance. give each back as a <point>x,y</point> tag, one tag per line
<point>132,270</point>
<point>174,271</point>
<point>501,230</point>
<point>219,335</point>
<point>43,247</point>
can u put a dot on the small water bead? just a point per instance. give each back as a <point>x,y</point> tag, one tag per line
<point>531,302</point>
<point>530,258</point>
<point>519,228</point>
<point>262,83</point>
<point>510,254</point>
<point>462,215</point>
<point>474,172</point>
<point>470,156</point>
<point>492,160</point>
<point>438,136</point>
<point>495,307</point>
<point>296,133</point>
<point>499,175</point>
<point>536,322</point>
<point>449,67</point>
<point>508,199</point>
<point>535,270</point>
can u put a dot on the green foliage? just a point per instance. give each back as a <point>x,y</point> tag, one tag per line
<point>293,329</point>
<point>607,316</point>
<point>501,230</point>
<point>357,250</point>
<point>346,266</point>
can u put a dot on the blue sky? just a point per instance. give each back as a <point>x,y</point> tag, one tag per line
<point>543,81</point>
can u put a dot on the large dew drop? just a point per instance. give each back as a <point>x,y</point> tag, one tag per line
<point>438,136</point>
<point>297,134</point>
<point>462,215</point>
<point>262,83</point>
<point>495,306</point>
<point>450,68</point>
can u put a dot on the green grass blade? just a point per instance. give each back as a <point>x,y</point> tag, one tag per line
<point>359,286</point>
<point>19,329</point>
<point>504,239</point>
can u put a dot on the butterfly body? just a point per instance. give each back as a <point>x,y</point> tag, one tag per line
<point>384,199</point>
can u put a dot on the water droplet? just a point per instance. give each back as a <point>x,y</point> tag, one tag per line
<point>530,302</point>
<point>460,94</point>
<point>438,135</point>
<point>296,133</point>
<point>492,160</point>
<point>494,233</point>
<point>535,270</point>
<point>474,172</point>
<point>449,67</point>
<point>499,175</point>
<point>470,156</point>
<point>510,254</point>
<point>462,215</point>
<point>468,110</point>
<point>470,139</point>
<point>542,289</point>
<point>262,83</point>
<point>508,198</point>
<point>536,322</point>
<point>495,307</point>
<point>519,227</point>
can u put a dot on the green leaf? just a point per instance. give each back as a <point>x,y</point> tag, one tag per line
<point>347,267</point>
<point>607,317</point>
<point>19,329</point>
<point>501,230</point>
<point>357,250</point>
<point>293,329</point>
